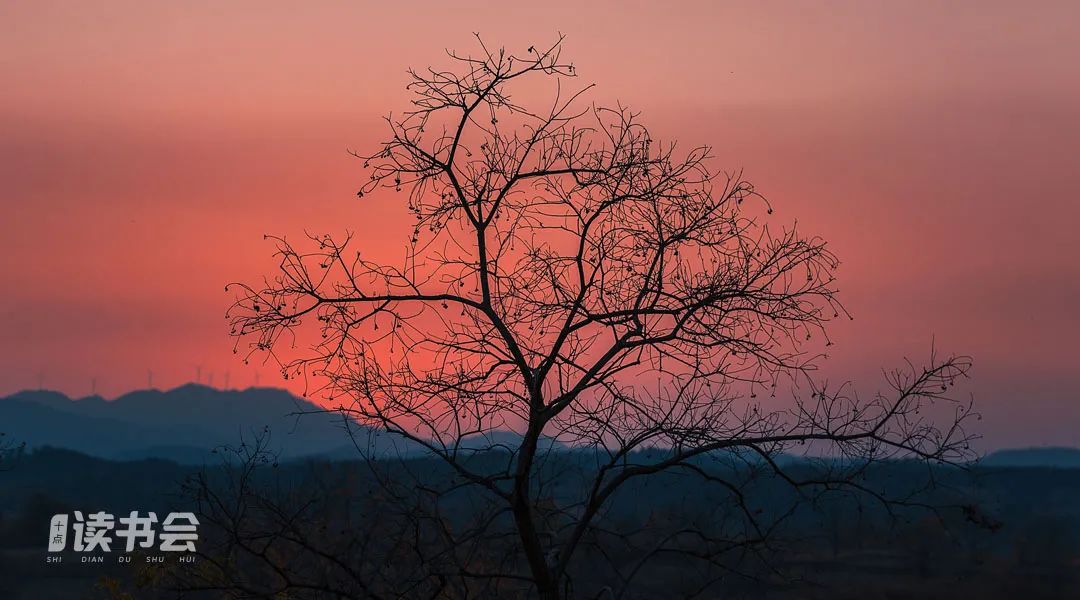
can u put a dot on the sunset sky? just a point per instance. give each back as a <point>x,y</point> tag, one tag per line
<point>146,147</point>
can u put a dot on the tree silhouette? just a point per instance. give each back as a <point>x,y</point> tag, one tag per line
<point>574,280</point>
<point>9,451</point>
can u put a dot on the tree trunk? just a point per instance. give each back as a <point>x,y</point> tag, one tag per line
<point>546,586</point>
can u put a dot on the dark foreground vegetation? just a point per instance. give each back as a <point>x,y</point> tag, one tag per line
<point>991,532</point>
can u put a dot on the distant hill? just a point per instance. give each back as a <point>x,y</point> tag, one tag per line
<point>1050,456</point>
<point>186,423</point>
<point>183,424</point>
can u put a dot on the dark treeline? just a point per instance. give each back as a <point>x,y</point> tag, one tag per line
<point>990,532</point>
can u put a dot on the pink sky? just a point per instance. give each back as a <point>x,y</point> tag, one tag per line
<point>146,147</point>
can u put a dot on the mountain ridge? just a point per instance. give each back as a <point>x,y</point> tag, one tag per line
<point>181,423</point>
<point>185,424</point>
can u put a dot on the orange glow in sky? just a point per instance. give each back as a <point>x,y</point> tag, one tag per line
<point>146,147</point>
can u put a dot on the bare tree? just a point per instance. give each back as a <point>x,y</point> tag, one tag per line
<point>572,279</point>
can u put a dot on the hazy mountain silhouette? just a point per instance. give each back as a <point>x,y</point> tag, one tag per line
<point>1048,456</point>
<point>183,424</point>
<point>186,423</point>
